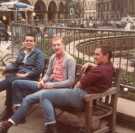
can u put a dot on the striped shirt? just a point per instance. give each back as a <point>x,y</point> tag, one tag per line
<point>58,69</point>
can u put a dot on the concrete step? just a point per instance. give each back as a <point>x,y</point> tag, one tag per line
<point>126,106</point>
<point>126,113</point>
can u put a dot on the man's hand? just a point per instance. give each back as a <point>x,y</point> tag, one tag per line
<point>86,65</point>
<point>22,75</point>
<point>41,84</point>
<point>77,85</point>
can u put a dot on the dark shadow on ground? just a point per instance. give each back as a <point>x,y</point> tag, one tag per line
<point>62,128</point>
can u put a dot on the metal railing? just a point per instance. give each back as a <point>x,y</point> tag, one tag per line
<point>72,22</point>
<point>81,42</point>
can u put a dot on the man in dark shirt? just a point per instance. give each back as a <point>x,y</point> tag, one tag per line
<point>97,78</point>
<point>27,66</point>
<point>89,79</point>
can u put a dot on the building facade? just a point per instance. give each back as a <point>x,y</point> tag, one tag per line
<point>108,10</point>
<point>90,9</point>
<point>48,9</point>
<point>43,10</point>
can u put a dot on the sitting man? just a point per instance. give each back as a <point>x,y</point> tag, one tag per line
<point>28,65</point>
<point>95,80</point>
<point>60,74</point>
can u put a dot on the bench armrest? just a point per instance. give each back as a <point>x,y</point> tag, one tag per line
<point>91,97</point>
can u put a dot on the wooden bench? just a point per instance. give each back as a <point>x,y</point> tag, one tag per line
<point>99,114</point>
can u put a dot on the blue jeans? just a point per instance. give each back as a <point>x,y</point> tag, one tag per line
<point>48,99</point>
<point>21,88</point>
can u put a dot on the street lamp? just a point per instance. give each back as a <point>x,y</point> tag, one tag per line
<point>33,14</point>
<point>4,18</point>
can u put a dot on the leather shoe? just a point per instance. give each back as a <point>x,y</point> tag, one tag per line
<point>4,126</point>
<point>51,128</point>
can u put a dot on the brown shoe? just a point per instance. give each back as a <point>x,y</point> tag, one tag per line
<point>4,126</point>
<point>51,128</point>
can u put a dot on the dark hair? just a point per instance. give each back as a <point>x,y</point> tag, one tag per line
<point>106,50</point>
<point>30,34</point>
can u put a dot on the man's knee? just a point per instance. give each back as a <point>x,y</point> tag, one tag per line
<point>16,84</point>
<point>28,100</point>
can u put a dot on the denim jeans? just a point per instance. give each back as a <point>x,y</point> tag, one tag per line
<point>6,84</point>
<point>48,99</point>
<point>21,88</point>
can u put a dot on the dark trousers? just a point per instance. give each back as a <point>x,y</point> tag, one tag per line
<point>6,84</point>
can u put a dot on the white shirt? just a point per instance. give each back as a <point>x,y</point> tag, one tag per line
<point>26,55</point>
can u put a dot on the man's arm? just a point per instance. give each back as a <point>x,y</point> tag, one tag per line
<point>22,75</point>
<point>19,57</point>
<point>13,66</point>
<point>71,68</point>
<point>87,79</point>
<point>87,65</point>
<point>39,66</point>
<point>77,85</point>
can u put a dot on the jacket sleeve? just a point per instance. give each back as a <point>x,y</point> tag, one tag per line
<point>19,58</point>
<point>39,65</point>
<point>90,77</point>
<point>71,68</point>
